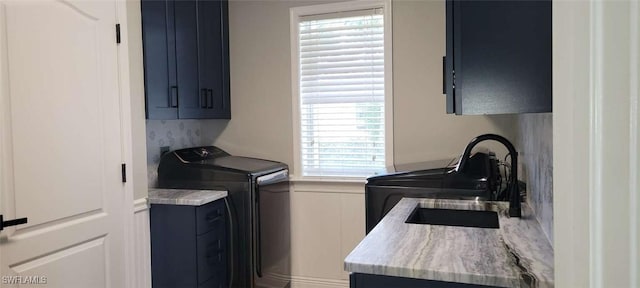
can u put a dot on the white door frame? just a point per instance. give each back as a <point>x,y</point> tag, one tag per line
<point>127,137</point>
<point>595,138</point>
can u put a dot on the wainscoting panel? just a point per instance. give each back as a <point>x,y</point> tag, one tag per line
<point>142,244</point>
<point>327,222</point>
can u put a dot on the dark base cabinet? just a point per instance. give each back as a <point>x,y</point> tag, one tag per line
<point>189,245</point>
<point>359,280</point>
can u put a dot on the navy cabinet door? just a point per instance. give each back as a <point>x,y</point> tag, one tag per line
<point>186,59</point>
<point>498,57</point>
<point>213,54</point>
<point>189,248</point>
<point>158,39</point>
<point>448,80</point>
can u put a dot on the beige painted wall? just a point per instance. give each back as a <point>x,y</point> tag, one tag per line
<point>261,124</point>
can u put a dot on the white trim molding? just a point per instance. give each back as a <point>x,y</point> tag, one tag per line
<point>343,187</point>
<point>595,139</point>
<point>140,205</point>
<point>634,165</point>
<point>310,282</point>
<point>141,244</point>
<point>126,123</point>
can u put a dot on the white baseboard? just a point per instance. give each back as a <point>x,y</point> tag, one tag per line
<point>309,282</point>
<point>142,244</point>
<point>272,280</point>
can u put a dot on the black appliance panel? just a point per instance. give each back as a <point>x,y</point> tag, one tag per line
<point>478,181</point>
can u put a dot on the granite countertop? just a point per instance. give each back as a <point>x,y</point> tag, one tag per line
<point>516,255</point>
<point>184,196</point>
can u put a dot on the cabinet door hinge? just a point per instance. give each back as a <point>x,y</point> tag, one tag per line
<point>454,80</point>
<point>124,173</point>
<point>118,33</point>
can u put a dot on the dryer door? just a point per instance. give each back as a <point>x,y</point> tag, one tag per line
<point>272,245</point>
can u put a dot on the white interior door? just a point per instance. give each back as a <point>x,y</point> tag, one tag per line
<point>60,144</point>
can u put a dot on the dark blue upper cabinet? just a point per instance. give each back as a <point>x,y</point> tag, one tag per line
<point>498,57</point>
<point>214,83</point>
<point>159,60</point>
<point>186,59</point>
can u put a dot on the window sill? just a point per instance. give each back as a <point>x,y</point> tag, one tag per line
<point>327,184</point>
<point>328,180</point>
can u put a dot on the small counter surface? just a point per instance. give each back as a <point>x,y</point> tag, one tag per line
<point>515,255</point>
<point>184,196</point>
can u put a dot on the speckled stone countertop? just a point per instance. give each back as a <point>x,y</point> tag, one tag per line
<point>515,255</point>
<point>184,197</point>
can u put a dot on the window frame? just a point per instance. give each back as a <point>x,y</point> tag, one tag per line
<point>295,14</point>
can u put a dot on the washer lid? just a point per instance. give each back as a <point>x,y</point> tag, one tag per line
<point>246,164</point>
<point>426,165</point>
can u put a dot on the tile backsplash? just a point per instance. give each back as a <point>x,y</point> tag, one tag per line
<point>176,134</point>
<point>535,144</point>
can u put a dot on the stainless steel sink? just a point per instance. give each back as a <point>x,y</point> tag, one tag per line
<point>450,217</point>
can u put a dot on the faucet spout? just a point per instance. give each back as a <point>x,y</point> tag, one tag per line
<point>515,209</point>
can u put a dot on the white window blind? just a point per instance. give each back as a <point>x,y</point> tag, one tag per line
<point>342,94</point>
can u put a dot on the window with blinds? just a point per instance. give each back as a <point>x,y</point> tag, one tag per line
<point>341,90</point>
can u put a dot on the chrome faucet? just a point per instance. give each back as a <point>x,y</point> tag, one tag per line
<point>514,193</point>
